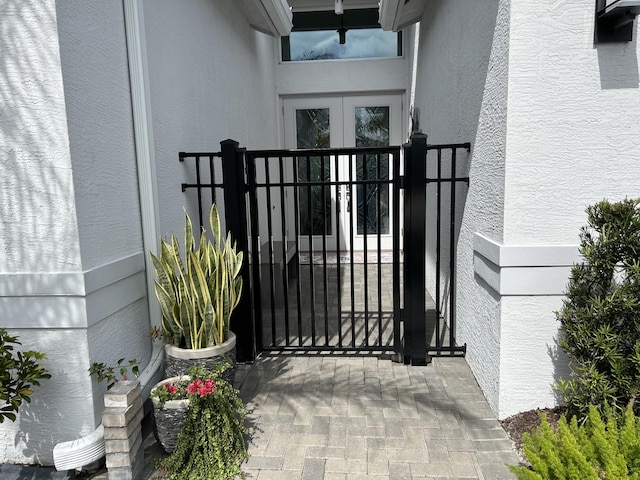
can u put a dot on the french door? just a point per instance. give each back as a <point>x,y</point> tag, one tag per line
<point>348,211</point>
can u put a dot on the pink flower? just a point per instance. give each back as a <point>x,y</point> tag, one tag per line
<point>171,388</point>
<point>194,386</point>
<point>208,388</point>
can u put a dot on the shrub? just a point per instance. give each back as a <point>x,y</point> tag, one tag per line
<point>19,372</point>
<point>600,318</point>
<point>606,447</point>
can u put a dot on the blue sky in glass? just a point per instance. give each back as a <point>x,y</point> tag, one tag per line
<point>361,43</point>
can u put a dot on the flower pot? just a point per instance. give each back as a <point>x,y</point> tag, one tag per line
<point>178,361</point>
<point>169,418</point>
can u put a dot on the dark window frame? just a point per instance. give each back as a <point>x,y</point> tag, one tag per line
<point>329,20</point>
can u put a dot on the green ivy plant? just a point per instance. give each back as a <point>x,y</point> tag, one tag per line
<point>605,446</point>
<point>211,445</point>
<point>104,372</point>
<point>600,318</point>
<point>19,373</point>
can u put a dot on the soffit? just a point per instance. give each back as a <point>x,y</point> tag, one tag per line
<point>273,17</point>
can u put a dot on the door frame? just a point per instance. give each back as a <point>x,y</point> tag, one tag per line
<point>342,134</point>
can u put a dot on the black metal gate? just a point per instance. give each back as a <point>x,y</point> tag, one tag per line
<point>310,288</point>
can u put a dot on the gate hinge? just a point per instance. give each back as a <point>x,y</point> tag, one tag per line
<point>401,180</point>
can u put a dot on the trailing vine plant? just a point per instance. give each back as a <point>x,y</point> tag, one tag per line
<point>211,445</point>
<point>19,373</point>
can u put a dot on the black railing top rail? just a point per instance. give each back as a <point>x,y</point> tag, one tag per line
<point>450,146</point>
<point>322,151</point>
<point>318,152</point>
<point>183,155</point>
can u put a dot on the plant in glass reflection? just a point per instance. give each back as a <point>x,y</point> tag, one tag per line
<point>372,130</point>
<point>312,131</point>
<point>19,373</point>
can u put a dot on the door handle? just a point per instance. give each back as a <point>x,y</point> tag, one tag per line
<point>348,198</point>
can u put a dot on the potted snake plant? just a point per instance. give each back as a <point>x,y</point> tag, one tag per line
<point>198,293</point>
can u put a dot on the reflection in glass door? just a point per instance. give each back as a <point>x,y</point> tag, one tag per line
<point>312,131</point>
<point>359,121</point>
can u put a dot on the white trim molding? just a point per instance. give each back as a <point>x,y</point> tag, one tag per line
<point>71,299</point>
<point>398,14</point>
<point>523,270</point>
<point>273,17</point>
<point>143,130</point>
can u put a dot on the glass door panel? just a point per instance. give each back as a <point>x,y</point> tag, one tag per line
<point>372,130</point>
<point>356,121</point>
<point>310,124</point>
<point>372,121</point>
<point>312,131</point>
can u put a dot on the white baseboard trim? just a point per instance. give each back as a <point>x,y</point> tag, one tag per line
<point>71,299</point>
<point>524,270</point>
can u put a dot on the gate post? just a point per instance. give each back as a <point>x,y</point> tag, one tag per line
<point>235,211</point>
<point>415,335</point>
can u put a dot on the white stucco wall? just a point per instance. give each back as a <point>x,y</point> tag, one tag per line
<point>72,274</point>
<point>557,130</point>
<point>573,129</point>
<point>98,104</point>
<point>37,210</point>
<point>462,96</point>
<point>211,78</point>
<point>574,121</point>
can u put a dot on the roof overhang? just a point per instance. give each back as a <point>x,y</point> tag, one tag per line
<point>398,14</point>
<point>272,17</point>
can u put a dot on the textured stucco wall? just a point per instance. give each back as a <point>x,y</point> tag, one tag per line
<point>573,129</point>
<point>60,408</point>
<point>72,274</point>
<point>557,130</point>
<point>574,120</point>
<point>37,210</point>
<point>98,104</point>
<point>462,96</point>
<point>211,78</point>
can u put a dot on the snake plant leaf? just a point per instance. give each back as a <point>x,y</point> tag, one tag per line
<point>198,292</point>
<point>214,222</point>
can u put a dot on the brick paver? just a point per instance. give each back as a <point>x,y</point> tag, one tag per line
<point>317,417</point>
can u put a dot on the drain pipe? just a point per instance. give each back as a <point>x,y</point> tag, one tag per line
<point>91,448</point>
<point>84,451</point>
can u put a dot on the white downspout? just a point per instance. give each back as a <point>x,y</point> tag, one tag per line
<point>86,450</point>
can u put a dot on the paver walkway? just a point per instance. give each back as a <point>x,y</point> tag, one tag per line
<point>347,418</point>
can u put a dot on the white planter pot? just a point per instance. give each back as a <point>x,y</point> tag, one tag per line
<point>169,418</point>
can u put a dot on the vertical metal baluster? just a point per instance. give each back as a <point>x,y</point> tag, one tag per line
<point>270,251</point>
<point>379,220</point>
<point>339,269</point>
<point>255,250</point>
<point>438,245</point>
<point>452,246</point>
<point>397,341</point>
<point>296,206</point>
<point>311,263</point>
<point>324,254</point>
<point>212,176</point>
<point>353,284</point>
<point>365,173</point>
<point>199,190</point>
<point>285,271</point>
